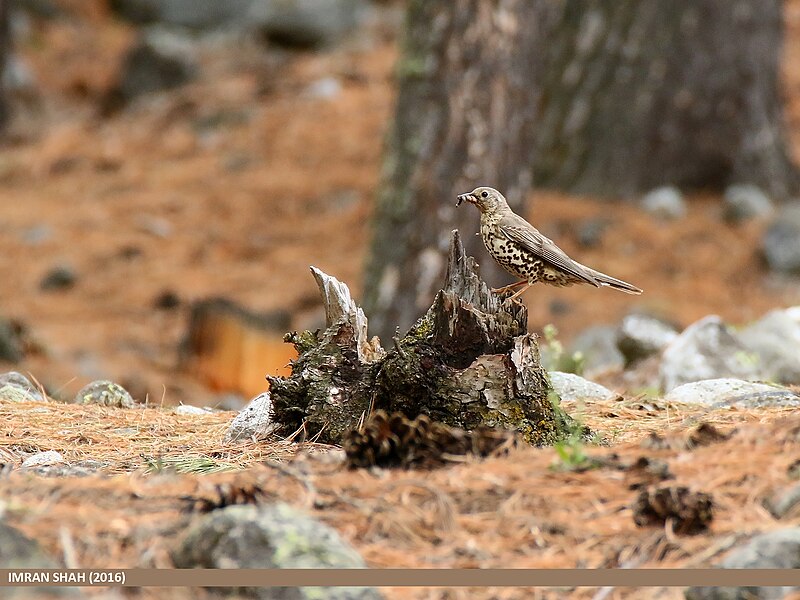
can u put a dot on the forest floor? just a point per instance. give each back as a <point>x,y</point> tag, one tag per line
<point>232,186</point>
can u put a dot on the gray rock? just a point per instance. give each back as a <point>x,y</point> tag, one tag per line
<point>253,421</point>
<point>598,347</point>
<point>12,344</point>
<point>105,393</point>
<point>773,550</point>
<point>15,387</point>
<point>707,349</point>
<point>640,336</point>
<point>160,60</point>
<point>194,14</point>
<point>744,201</point>
<point>775,339</point>
<point>665,203</point>
<point>267,537</point>
<point>42,459</point>
<point>17,551</point>
<point>784,503</point>
<point>58,278</point>
<point>326,88</point>
<point>304,23</point>
<point>781,241</point>
<point>83,468</point>
<point>729,392</point>
<point>569,386</point>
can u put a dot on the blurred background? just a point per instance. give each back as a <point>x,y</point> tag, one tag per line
<point>171,168</point>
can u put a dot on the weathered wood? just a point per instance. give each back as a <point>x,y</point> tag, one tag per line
<point>468,362</point>
<point>230,347</point>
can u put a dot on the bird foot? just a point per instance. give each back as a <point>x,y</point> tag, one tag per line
<point>506,288</point>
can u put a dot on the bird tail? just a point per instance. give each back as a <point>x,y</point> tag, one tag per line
<point>614,283</point>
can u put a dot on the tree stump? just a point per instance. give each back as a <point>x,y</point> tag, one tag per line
<point>468,361</point>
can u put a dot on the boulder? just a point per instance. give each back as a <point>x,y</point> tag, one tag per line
<point>717,393</point>
<point>572,387</point>
<point>775,339</point>
<point>270,537</point>
<point>744,201</point>
<point>772,550</point>
<point>598,348</point>
<point>640,336</point>
<point>781,242</point>
<point>707,349</point>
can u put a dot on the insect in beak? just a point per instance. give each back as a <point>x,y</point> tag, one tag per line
<point>464,198</point>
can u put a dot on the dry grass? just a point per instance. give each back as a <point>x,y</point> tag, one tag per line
<point>126,440</point>
<point>516,511</point>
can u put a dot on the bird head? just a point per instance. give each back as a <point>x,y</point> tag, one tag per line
<point>487,199</point>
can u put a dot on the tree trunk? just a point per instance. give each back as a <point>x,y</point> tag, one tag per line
<point>466,95</point>
<point>641,93</point>
<point>467,363</point>
<point>5,49</point>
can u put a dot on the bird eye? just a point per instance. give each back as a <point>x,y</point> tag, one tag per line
<point>484,194</point>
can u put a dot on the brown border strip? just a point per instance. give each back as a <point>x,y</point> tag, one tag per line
<point>402,577</point>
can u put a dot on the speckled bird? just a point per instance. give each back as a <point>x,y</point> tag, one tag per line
<point>523,251</point>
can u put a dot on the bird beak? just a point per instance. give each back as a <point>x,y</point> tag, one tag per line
<point>465,198</point>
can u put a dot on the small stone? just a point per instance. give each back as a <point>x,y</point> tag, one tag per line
<point>304,24</point>
<point>155,226</point>
<point>167,300</point>
<point>15,387</point>
<point>104,393</point>
<point>188,409</point>
<point>37,235</point>
<point>58,278</point>
<point>12,342</point>
<point>665,203</point>
<point>707,349</point>
<point>640,336</point>
<point>42,459</point>
<point>718,393</point>
<point>572,387</point>
<point>326,88</point>
<point>254,421</point>
<point>744,201</point>
<point>590,232</point>
<point>781,242</point>
<point>160,60</point>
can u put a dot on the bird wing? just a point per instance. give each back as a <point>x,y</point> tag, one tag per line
<point>527,236</point>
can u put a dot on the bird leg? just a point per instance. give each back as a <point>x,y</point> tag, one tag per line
<point>505,288</point>
<point>519,292</point>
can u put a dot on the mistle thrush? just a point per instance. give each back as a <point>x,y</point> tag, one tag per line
<point>523,251</point>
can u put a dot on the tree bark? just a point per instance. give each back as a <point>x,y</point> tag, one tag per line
<point>466,95</point>
<point>5,49</point>
<point>642,93</point>
<point>467,363</point>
